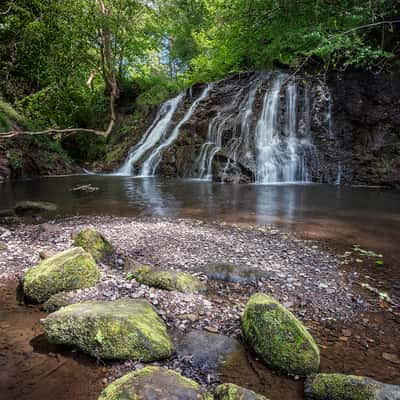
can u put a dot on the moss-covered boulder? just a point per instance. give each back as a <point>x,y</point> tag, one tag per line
<point>229,391</point>
<point>348,387</point>
<point>69,270</point>
<point>120,329</point>
<point>152,383</point>
<point>167,280</point>
<point>34,207</point>
<point>94,243</point>
<point>278,337</point>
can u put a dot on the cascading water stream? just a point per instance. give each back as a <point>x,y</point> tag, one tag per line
<point>151,163</point>
<point>152,136</point>
<point>282,155</point>
<point>271,141</point>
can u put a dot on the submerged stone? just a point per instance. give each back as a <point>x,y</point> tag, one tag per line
<point>233,273</point>
<point>167,280</point>
<point>348,387</point>
<point>154,383</point>
<point>55,302</point>
<point>278,337</point>
<point>120,329</point>
<point>34,207</point>
<point>94,243</point>
<point>69,270</point>
<point>229,391</point>
<point>207,350</point>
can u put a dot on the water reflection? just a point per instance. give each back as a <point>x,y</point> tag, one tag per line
<point>350,212</point>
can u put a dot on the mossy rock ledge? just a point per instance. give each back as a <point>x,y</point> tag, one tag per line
<point>278,337</point>
<point>229,391</point>
<point>57,301</point>
<point>69,270</point>
<point>120,329</point>
<point>167,280</point>
<point>93,242</point>
<point>348,387</point>
<point>34,207</point>
<point>152,383</point>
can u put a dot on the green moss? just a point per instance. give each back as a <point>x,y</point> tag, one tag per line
<point>278,337</point>
<point>154,382</point>
<point>167,280</point>
<point>340,387</point>
<point>121,329</point>
<point>229,391</point>
<point>95,243</point>
<point>69,270</point>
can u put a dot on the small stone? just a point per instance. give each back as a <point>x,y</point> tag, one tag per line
<point>394,358</point>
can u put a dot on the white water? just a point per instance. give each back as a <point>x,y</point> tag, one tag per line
<point>152,136</point>
<point>151,163</point>
<point>283,147</point>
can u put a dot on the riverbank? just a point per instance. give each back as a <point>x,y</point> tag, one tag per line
<point>352,325</point>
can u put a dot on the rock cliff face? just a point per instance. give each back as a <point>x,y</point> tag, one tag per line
<point>340,128</point>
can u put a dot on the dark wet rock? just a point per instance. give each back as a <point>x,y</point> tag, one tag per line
<point>229,391</point>
<point>120,329</point>
<point>46,254</point>
<point>348,387</point>
<point>93,242</point>
<point>56,302</point>
<point>34,207</point>
<point>7,213</point>
<point>154,383</point>
<point>207,350</point>
<point>71,269</point>
<point>278,337</point>
<point>167,279</point>
<point>233,273</point>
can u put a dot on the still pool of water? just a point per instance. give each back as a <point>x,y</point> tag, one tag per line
<point>370,217</point>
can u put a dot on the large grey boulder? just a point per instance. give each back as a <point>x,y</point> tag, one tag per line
<point>278,337</point>
<point>120,329</point>
<point>206,350</point>
<point>154,383</point>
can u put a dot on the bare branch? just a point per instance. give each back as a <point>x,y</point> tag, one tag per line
<point>14,133</point>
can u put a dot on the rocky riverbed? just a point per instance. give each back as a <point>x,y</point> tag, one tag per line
<point>353,326</point>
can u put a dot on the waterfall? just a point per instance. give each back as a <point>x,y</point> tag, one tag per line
<point>151,163</point>
<point>282,152</point>
<point>203,163</point>
<point>261,127</point>
<point>152,136</point>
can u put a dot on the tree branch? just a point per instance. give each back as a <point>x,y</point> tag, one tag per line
<point>14,133</point>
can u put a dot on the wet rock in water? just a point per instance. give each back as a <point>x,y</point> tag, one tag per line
<point>34,207</point>
<point>93,242</point>
<point>348,387</point>
<point>152,383</point>
<point>278,337</point>
<point>3,247</point>
<point>55,302</point>
<point>167,280</point>
<point>232,273</point>
<point>120,329</point>
<point>71,269</point>
<point>229,391</point>
<point>207,350</point>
